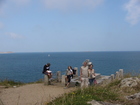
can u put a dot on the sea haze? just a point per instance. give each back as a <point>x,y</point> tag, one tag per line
<point>27,67</point>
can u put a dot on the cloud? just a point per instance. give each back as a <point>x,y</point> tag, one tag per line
<point>14,35</point>
<point>72,4</point>
<point>133,9</point>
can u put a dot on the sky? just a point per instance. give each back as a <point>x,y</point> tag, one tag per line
<point>69,25</point>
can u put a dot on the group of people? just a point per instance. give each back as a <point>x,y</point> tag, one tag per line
<point>87,74</point>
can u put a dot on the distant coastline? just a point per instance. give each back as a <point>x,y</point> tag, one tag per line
<point>67,52</point>
<point>6,52</point>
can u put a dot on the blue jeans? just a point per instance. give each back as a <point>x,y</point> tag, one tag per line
<point>91,81</point>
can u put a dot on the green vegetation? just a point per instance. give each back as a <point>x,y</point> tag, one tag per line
<point>111,93</point>
<point>81,97</point>
<point>10,83</point>
<point>132,74</point>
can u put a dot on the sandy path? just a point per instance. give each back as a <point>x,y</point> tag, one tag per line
<point>31,94</point>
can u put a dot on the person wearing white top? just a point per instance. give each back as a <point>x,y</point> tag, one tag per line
<point>84,75</point>
<point>91,74</point>
<point>68,76</point>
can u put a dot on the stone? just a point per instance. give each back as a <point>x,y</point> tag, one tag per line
<point>93,102</point>
<point>58,76</point>
<point>46,80</point>
<point>117,75</point>
<point>121,73</point>
<point>130,82</point>
<point>112,77</point>
<point>63,79</point>
<point>132,97</point>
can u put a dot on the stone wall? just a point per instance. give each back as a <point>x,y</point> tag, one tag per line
<point>117,76</point>
<point>100,79</point>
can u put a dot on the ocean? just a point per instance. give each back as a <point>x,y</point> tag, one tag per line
<point>27,67</point>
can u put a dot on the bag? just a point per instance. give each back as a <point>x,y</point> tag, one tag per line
<point>49,71</point>
<point>95,82</point>
<point>74,71</point>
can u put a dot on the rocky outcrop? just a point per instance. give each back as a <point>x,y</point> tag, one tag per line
<point>130,82</point>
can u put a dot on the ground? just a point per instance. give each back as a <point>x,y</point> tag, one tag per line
<point>31,94</point>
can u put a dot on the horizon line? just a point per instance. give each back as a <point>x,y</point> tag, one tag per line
<point>61,51</point>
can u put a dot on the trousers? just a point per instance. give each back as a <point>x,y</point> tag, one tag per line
<point>84,82</point>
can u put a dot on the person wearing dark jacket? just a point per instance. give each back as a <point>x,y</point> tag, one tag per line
<point>46,70</point>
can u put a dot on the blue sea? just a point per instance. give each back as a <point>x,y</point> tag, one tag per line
<point>27,67</point>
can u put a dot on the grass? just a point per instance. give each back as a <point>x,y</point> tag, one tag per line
<point>81,97</point>
<point>10,83</point>
<point>132,74</point>
<point>111,93</point>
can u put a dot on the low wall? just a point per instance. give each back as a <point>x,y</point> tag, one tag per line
<point>58,77</point>
<point>100,79</point>
<point>117,76</point>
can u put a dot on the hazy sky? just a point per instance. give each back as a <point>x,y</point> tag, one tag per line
<point>69,25</point>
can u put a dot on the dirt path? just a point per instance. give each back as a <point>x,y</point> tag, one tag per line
<point>31,94</point>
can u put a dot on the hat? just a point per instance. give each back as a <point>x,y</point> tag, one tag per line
<point>89,63</point>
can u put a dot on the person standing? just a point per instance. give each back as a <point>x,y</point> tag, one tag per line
<point>91,73</point>
<point>84,75</point>
<point>68,76</point>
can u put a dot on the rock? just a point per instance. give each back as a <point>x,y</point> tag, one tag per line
<point>93,102</point>
<point>130,82</point>
<point>132,97</point>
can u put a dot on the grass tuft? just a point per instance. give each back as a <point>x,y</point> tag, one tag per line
<point>10,83</point>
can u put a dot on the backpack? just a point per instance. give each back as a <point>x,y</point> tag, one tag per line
<point>74,71</point>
